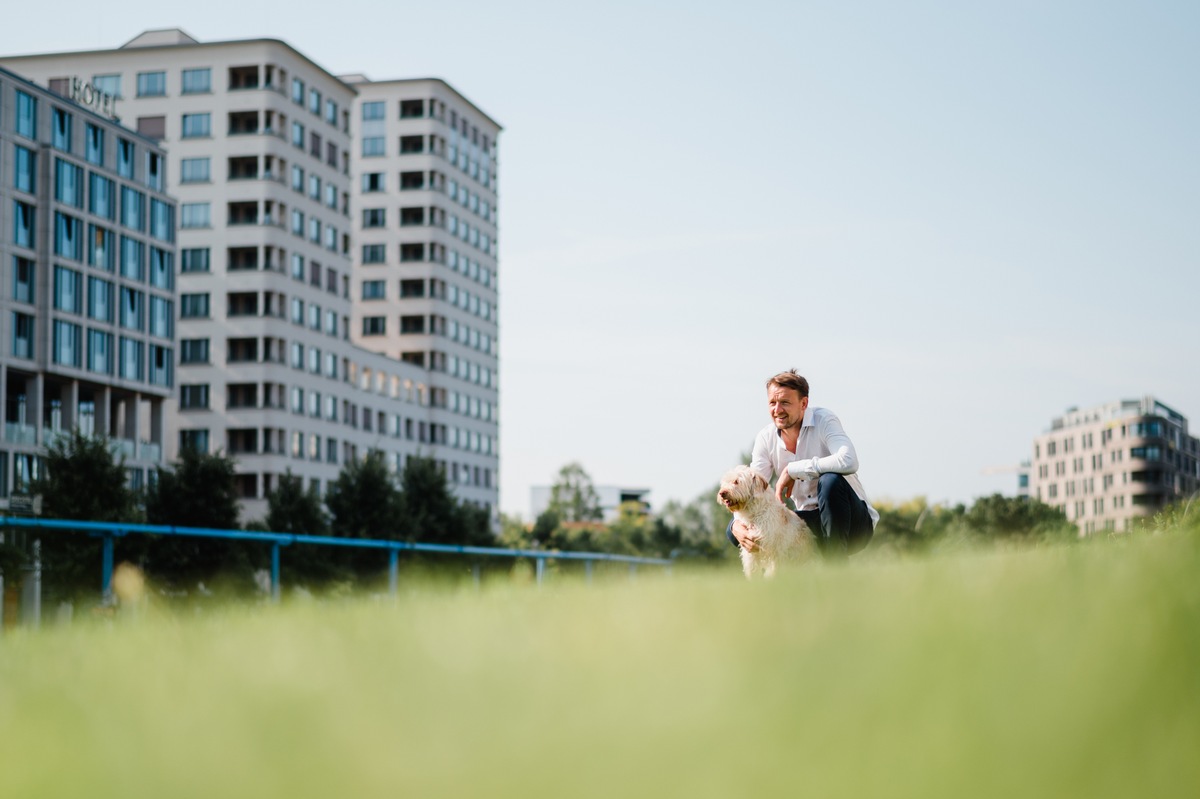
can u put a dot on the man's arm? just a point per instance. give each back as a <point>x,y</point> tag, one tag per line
<point>842,459</point>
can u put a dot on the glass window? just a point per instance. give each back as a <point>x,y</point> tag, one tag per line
<point>68,183</point>
<point>194,260</point>
<point>194,170</point>
<point>373,110</point>
<point>314,101</point>
<point>162,314</point>
<point>155,172</point>
<point>372,181</point>
<point>133,309</point>
<point>162,269</point>
<point>24,283</point>
<point>22,346</point>
<point>133,205</point>
<point>196,126</point>
<point>94,144</point>
<point>331,112</point>
<point>193,396</point>
<point>61,133</point>
<point>151,84</point>
<point>132,367</point>
<point>68,236</point>
<point>193,350</point>
<point>100,354</point>
<point>298,135</point>
<point>374,289</point>
<point>133,259</point>
<point>26,115</point>
<point>194,215</point>
<point>196,81</point>
<point>125,158</point>
<point>108,83</point>
<point>193,306</point>
<point>374,253</point>
<point>100,299</point>
<point>297,91</point>
<point>101,197</point>
<point>374,325</point>
<point>68,290</point>
<point>194,439</point>
<point>68,341</point>
<point>162,220</point>
<point>297,178</point>
<point>25,166</point>
<point>373,146</point>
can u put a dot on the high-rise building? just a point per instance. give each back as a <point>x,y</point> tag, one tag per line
<point>259,144</point>
<point>1108,465</point>
<point>87,280</point>
<point>424,214</point>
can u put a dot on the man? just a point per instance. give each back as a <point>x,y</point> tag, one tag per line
<point>816,464</point>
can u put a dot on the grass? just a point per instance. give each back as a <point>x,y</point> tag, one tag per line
<point>1069,671</point>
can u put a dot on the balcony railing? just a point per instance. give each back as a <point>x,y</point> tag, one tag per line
<point>20,433</point>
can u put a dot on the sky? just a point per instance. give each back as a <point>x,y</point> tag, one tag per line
<point>957,220</point>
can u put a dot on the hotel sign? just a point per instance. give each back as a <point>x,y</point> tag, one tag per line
<point>88,94</point>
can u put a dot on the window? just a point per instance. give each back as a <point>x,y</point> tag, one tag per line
<point>133,309</point>
<point>25,169</point>
<point>100,294</point>
<point>61,123</point>
<point>68,183</point>
<point>331,112</point>
<point>162,269</point>
<point>68,290</point>
<point>373,217</point>
<point>155,173</point>
<point>298,135</point>
<point>196,440</point>
<point>26,115</point>
<point>196,81</point>
<point>125,158</point>
<point>372,181</point>
<point>314,148</point>
<point>193,350</point>
<point>133,259</point>
<point>133,203</point>
<point>22,346</point>
<point>24,284</point>
<point>297,267</point>
<point>373,110</point>
<point>152,128</point>
<point>412,288</point>
<point>412,324</point>
<point>314,101</point>
<point>297,222</point>
<point>374,325</point>
<point>193,396</point>
<point>314,230</point>
<point>412,144</point>
<point>94,144</point>
<point>193,306</point>
<point>68,344</point>
<point>194,260</point>
<point>68,236</point>
<point>110,84</point>
<point>194,215</point>
<point>372,146</point>
<point>374,253</point>
<point>131,365</point>
<point>162,315</point>
<point>194,170</point>
<point>100,352</point>
<point>162,221</point>
<point>297,91</point>
<point>314,187</point>
<point>374,289</point>
<point>151,84</point>
<point>161,360</point>
<point>102,199</point>
<point>196,126</point>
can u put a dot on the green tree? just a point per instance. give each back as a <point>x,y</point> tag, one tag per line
<point>431,513</point>
<point>364,501</point>
<point>573,497</point>
<point>200,490</point>
<point>81,479</point>
<point>292,508</point>
<point>1001,517</point>
<point>701,527</point>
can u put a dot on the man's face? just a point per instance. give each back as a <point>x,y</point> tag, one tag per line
<point>787,407</point>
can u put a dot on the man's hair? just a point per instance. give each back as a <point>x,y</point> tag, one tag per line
<point>790,379</point>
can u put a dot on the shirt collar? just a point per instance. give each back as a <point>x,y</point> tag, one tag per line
<point>809,421</point>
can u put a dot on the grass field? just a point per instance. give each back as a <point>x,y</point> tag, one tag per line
<point>1069,671</point>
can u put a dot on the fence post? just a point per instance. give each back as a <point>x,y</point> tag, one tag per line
<point>393,570</point>
<point>275,571</point>
<point>587,570</point>
<point>106,569</point>
<point>541,569</point>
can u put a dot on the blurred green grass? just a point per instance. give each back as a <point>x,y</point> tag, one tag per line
<point>1057,671</point>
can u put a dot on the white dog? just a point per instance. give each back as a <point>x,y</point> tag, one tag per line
<point>780,533</point>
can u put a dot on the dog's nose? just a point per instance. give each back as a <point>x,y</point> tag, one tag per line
<point>723,494</point>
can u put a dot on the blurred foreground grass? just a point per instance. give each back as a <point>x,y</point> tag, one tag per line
<point>1069,671</point>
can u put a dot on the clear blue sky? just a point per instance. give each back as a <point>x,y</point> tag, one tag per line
<point>957,219</point>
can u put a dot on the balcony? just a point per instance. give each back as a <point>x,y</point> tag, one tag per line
<point>20,433</point>
<point>149,451</point>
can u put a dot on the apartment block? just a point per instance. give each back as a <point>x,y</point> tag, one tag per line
<point>424,216</point>
<point>87,281</point>
<point>1106,466</point>
<point>259,142</point>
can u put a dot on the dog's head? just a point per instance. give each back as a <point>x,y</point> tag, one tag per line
<point>740,485</point>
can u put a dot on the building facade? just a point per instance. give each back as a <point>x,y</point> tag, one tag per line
<point>1108,465</point>
<point>259,144</point>
<point>424,211</point>
<point>87,281</point>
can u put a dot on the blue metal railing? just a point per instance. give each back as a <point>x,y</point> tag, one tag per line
<point>108,531</point>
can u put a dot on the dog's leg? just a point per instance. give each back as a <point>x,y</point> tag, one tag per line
<point>747,564</point>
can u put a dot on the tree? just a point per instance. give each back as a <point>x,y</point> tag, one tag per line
<point>81,479</point>
<point>573,497</point>
<point>200,490</point>
<point>363,501</point>
<point>291,508</point>
<point>999,516</point>
<point>431,513</point>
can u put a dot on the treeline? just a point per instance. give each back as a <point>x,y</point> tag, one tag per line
<point>82,479</point>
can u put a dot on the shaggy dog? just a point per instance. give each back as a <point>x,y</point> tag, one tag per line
<point>781,535</point>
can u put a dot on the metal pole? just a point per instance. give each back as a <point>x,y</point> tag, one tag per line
<point>106,570</point>
<point>541,569</point>
<point>393,570</point>
<point>587,570</point>
<point>275,571</point>
<point>475,573</point>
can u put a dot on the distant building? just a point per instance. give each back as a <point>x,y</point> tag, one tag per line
<point>611,499</point>
<point>1108,465</point>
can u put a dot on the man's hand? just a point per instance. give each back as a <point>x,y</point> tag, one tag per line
<point>783,486</point>
<point>747,538</point>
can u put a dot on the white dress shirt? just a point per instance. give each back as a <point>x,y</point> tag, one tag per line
<point>823,447</point>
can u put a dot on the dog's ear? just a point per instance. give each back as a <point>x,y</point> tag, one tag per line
<point>760,482</point>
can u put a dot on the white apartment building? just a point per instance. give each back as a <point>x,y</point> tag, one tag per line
<point>259,142</point>
<point>1108,465</point>
<point>87,273</point>
<point>424,212</point>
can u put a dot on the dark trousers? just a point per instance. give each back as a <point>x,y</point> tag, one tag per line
<point>841,521</point>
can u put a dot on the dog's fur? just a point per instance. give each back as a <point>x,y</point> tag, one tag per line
<point>782,536</point>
